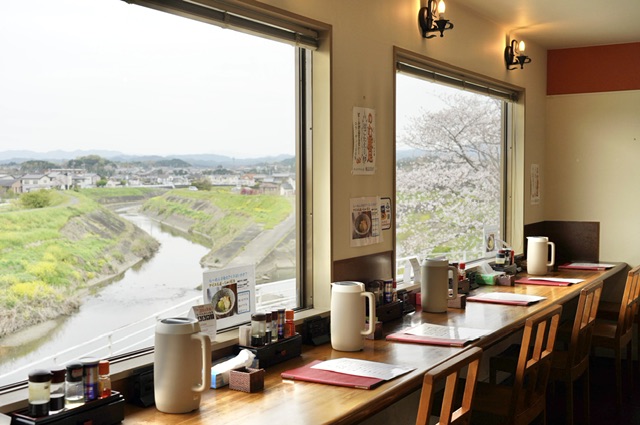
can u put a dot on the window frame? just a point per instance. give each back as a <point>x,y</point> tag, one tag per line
<point>305,40</point>
<point>423,67</point>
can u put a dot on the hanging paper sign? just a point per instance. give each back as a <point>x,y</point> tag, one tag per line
<point>364,141</point>
<point>205,315</point>
<point>412,269</point>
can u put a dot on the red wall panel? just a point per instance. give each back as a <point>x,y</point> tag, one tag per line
<point>593,69</point>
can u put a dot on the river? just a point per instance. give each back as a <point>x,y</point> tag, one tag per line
<point>169,278</point>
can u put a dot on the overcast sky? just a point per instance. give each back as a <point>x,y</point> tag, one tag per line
<point>105,74</point>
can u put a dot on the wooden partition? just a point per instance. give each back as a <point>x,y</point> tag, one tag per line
<point>364,269</point>
<point>574,240</point>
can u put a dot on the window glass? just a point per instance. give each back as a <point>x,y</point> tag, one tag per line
<point>449,170</point>
<point>140,148</point>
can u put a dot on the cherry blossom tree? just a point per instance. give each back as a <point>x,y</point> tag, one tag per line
<point>449,189</point>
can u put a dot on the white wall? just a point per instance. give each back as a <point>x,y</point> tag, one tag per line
<point>593,167</point>
<point>364,33</point>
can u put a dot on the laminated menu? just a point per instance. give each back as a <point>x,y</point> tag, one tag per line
<point>507,298</point>
<point>310,374</point>
<point>428,333</point>
<point>347,372</point>
<point>548,281</point>
<point>586,266</point>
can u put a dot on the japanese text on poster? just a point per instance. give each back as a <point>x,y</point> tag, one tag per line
<point>364,141</point>
<point>231,292</point>
<point>535,184</point>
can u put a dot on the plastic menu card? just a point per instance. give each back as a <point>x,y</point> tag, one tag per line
<point>586,266</point>
<point>359,367</point>
<point>548,281</point>
<point>309,374</point>
<point>347,372</point>
<point>428,333</point>
<point>506,298</point>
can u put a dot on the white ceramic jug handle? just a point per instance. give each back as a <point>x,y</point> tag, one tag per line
<point>553,253</point>
<point>372,308</point>
<point>454,283</point>
<point>205,345</point>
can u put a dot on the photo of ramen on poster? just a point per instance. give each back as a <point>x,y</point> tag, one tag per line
<point>231,292</point>
<point>365,221</point>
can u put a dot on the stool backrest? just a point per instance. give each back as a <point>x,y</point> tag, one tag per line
<point>528,398</point>
<point>629,305</point>
<point>450,371</point>
<point>582,331</point>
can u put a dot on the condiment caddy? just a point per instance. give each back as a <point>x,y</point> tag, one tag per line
<point>102,411</point>
<point>276,352</point>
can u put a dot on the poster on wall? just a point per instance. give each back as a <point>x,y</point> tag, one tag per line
<point>364,141</point>
<point>365,221</point>
<point>385,213</point>
<point>232,293</point>
<point>535,184</point>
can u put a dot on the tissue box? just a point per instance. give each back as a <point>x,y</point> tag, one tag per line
<point>458,302</point>
<point>246,379</point>
<point>488,278</point>
<point>507,280</point>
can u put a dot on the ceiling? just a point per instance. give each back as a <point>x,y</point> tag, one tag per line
<point>556,24</point>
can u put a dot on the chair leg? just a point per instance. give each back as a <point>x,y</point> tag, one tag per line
<point>618,360</point>
<point>569,418</point>
<point>586,396</point>
<point>630,365</point>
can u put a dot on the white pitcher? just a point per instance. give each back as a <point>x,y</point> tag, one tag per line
<point>182,365</point>
<point>538,255</point>
<point>434,285</point>
<point>348,315</point>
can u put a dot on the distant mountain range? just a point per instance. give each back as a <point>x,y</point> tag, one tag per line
<point>196,160</point>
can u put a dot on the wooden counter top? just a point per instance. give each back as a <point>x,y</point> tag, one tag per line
<point>284,401</point>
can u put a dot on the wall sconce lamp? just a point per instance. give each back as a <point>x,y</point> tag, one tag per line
<point>429,24</point>
<point>514,56</point>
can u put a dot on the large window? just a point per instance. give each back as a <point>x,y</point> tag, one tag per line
<point>140,148</point>
<point>451,155</point>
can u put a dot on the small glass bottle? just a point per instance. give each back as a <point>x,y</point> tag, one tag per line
<point>388,291</point>
<point>39,393</point>
<point>289,326</point>
<point>258,329</point>
<point>269,329</point>
<point>104,380</point>
<point>281,323</point>
<point>56,403</point>
<point>73,389</point>
<point>274,326</point>
<point>462,271</point>
<point>90,378</point>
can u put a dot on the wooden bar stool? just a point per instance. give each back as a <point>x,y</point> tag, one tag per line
<point>617,335</point>
<point>610,310</point>
<point>525,400</point>
<point>570,365</point>
<point>450,371</point>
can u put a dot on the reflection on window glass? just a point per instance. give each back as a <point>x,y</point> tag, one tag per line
<point>139,149</point>
<point>448,170</point>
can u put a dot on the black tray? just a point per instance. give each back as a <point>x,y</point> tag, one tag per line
<point>277,352</point>
<point>103,411</point>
